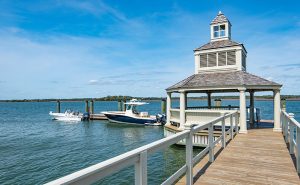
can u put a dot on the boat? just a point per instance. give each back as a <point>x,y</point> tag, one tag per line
<point>132,116</point>
<point>68,115</point>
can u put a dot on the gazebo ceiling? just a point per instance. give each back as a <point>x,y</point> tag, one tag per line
<point>224,82</point>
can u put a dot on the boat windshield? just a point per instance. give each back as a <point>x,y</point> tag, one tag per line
<point>133,108</point>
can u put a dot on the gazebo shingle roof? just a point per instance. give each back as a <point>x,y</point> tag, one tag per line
<point>222,79</point>
<point>218,44</point>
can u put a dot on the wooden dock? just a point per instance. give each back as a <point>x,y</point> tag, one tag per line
<point>98,117</point>
<point>259,157</point>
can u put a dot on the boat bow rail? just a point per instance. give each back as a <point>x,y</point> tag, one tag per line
<point>138,157</point>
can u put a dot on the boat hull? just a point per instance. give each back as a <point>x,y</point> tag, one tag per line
<point>117,118</point>
<point>65,117</point>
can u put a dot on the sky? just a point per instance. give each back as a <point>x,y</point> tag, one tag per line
<point>77,49</point>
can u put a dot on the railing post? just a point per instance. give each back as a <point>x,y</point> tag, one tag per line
<point>231,126</point>
<point>236,123</point>
<point>283,122</point>
<point>286,129</point>
<point>292,135</point>
<point>141,169</point>
<point>298,149</point>
<point>189,155</point>
<point>223,132</point>
<point>211,143</point>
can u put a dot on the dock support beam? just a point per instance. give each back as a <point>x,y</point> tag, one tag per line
<point>243,120</point>
<point>169,96</point>
<point>251,109</point>
<point>277,111</point>
<point>182,108</point>
<point>58,106</point>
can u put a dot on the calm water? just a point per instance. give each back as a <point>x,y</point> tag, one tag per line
<point>34,149</point>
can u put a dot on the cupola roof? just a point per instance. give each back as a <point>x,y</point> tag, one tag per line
<point>220,18</point>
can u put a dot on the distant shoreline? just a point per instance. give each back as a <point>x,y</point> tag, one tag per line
<point>126,98</point>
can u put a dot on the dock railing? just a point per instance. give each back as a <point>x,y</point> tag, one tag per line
<point>138,157</point>
<point>291,133</point>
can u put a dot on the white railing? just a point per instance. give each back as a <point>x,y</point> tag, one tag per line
<point>138,157</point>
<point>291,133</point>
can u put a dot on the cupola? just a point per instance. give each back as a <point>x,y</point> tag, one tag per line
<point>221,54</point>
<point>220,28</point>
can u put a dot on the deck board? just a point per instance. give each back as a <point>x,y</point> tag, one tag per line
<point>259,157</point>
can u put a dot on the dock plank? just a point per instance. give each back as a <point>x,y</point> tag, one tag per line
<point>259,157</point>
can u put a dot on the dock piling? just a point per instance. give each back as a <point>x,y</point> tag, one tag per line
<point>163,106</point>
<point>92,107</point>
<point>86,106</point>
<point>120,105</point>
<point>124,105</point>
<point>58,106</point>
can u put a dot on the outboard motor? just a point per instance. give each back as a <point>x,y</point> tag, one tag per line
<point>161,118</point>
<point>86,116</point>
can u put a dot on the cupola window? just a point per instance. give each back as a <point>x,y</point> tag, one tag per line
<point>219,31</point>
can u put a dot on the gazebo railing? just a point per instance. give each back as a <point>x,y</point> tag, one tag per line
<point>229,107</point>
<point>291,133</point>
<point>138,157</point>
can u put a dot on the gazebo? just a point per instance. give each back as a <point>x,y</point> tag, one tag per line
<point>220,67</point>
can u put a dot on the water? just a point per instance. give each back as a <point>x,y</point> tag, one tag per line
<point>35,150</point>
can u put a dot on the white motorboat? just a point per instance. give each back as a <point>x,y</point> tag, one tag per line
<point>132,116</point>
<point>66,116</point>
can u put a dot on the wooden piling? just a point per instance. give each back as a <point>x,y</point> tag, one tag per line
<point>58,106</point>
<point>124,105</point>
<point>163,106</point>
<point>120,105</point>
<point>86,106</point>
<point>92,107</point>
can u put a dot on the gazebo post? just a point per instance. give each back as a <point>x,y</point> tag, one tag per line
<point>277,111</point>
<point>251,109</point>
<point>169,105</point>
<point>209,100</point>
<point>182,108</point>
<point>243,120</point>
